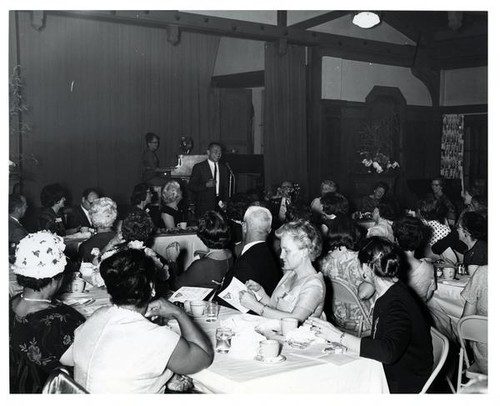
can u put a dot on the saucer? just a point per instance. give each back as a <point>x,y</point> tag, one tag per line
<point>274,360</point>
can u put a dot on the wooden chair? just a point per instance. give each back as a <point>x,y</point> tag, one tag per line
<point>472,328</point>
<point>440,348</point>
<point>343,293</point>
<point>60,381</point>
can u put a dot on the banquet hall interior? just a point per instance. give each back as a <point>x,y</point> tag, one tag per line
<point>276,201</point>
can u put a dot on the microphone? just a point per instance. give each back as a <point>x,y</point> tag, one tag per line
<point>229,168</point>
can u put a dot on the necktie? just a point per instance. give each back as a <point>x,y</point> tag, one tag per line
<point>215,177</point>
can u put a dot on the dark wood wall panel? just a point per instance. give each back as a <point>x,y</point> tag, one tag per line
<point>127,80</point>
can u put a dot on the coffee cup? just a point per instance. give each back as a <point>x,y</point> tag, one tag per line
<point>182,225</point>
<point>269,349</point>
<point>197,308</point>
<point>448,273</point>
<point>288,324</point>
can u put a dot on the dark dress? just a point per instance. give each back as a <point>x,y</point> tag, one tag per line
<point>150,163</point>
<point>204,273</point>
<point>478,254</point>
<point>401,340</point>
<point>99,240</point>
<point>78,218</point>
<point>36,342</point>
<point>178,215</point>
<point>49,220</point>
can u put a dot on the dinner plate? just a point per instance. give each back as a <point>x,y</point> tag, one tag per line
<point>276,360</point>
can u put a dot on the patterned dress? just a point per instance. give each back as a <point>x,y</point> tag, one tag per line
<point>36,342</point>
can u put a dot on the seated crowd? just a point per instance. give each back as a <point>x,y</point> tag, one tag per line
<point>287,252</point>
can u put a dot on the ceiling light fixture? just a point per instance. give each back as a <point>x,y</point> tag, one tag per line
<point>366,19</point>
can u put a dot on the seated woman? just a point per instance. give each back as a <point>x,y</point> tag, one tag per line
<point>472,230</point>
<point>119,350</point>
<point>401,337</point>
<point>383,215</point>
<point>327,186</point>
<point>40,328</point>
<point>103,214</point>
<point>342,262</point>
<point>209,271</point>
<point>53,198</point>
<point>301,291</point>
<point>171,213</point>
<point>410,234</point>
<point>475,295</point>
<point>333,204</point>
<point>139,200</point>
<point>369,202</point>
<point>428,212</point>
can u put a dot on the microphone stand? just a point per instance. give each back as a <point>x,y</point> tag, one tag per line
<point>232,180</point>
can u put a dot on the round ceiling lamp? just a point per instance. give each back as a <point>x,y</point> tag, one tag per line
<point>366,19</point>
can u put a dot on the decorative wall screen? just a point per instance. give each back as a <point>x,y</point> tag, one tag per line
<point>452,146</point>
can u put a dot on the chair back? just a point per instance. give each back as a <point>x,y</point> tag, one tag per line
<point>343,293</point>
<point>440,348</point>
<point>60,381</point>
<point>473,328</point>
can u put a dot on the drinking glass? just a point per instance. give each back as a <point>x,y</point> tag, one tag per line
<point>211,312</point>
<point>223,338</point>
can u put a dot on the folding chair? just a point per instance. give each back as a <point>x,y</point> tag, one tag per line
<point>344,294</point>
<point>60,381</point>
<point>473,328</point>
<point>440,348</point>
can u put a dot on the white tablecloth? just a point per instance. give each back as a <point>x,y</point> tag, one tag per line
<point>189,243</point>
<point>345,373</point>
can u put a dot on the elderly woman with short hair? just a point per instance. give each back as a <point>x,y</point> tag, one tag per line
<point>103,214</point>
<point>301,291</point>
<point>171,213</point>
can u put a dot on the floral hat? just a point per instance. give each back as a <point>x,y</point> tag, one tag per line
<point>40,255</point>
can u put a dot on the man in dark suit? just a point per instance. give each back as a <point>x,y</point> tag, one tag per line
<point>17,209</point>
<point>257,261</point>
<point>209,182</point>
<point>79,218</point>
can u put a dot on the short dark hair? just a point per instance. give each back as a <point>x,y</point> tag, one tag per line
<point>139,193</point>
<point>137,226</point>
<point>475,224</point>
<point>34,283</point>
<point>16,201</point>
<point>51,194</point>
<point>386,259</point>
<point>429,208</point>
<point>440,180</point>
<point>90,190</point>
<point>213,144</point>
<point>410,232</point>
<point>381,184</point>
<point>214,230</point>
<point>298,211</point>
<point>129,277</point>
<point>334,203</point>
<point>342,233</point>
<point>150,137</point>
<point>386,210</point>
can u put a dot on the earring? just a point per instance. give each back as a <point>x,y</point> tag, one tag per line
<point>153,291</point>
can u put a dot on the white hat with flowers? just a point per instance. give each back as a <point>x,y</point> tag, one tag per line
<point>40,255</point>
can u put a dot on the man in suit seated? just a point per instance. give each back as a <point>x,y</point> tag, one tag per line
<point>209,182</point>
<point>79,218</point>
<point>17,209</point>
<point>257,261</point>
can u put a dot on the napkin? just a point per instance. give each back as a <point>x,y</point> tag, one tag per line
<point>303,335</point>
<point>455,282</point>
<point>245,342</point>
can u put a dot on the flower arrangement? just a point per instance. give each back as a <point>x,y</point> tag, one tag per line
<point>377,144</point>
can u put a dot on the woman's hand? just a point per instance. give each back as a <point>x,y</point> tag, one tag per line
<point>163,308</point>
<point>172,251</point>
<point>248,299</point>
<point>324,329</point>
<point>251,285</point>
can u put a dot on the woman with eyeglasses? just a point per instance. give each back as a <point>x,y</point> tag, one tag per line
<point>400,337</point>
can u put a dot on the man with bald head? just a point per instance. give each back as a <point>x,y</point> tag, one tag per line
<point>257,261</point>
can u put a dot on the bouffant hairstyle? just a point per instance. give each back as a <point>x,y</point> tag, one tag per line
<point>410,232</point>
<point>214,230</point>
<point>51,194</point>
<point>304,234</point>
<point>386,259</point>
<point>171,191</point>
<point>103,212</point>
<point>383,185</point>
<point>137,226</point>
<point>129,276</point>
<point>429,208</point>
<point>334,203</point>
<point>150,137</point>
<point>475,224</point>
<point>139,193</point>
<point>386,210</point>
<point>342,233</point>
<point>298,211</point>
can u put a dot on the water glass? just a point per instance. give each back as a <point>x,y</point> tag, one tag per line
<point>223,338</point>
<point>211,312</point>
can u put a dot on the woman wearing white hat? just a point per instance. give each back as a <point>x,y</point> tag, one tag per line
<point>40,329</point>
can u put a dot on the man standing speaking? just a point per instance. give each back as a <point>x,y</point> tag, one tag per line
<point>209,182</point>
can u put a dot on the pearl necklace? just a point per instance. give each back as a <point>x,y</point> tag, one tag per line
<point>35,300</point>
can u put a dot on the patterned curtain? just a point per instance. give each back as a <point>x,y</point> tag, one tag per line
<point>452,146</point>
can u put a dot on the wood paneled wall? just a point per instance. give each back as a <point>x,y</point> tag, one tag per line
<point>95,88</point>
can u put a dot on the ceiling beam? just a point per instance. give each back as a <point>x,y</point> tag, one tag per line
<point>360,49</point>
<point>318,20</point>
<point>282,17</point>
